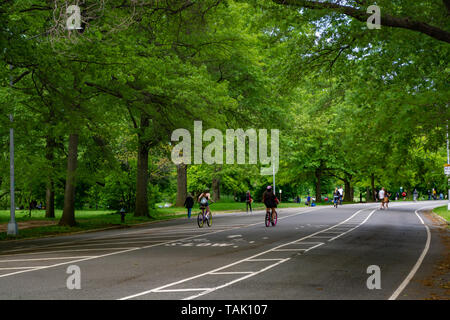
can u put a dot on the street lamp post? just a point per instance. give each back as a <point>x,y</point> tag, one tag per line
<point>274,175</point>
<point>12,225</point>
<point>448,176</point>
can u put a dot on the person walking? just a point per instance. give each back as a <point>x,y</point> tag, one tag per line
<point>341,194</point>
<point>248,201</point>
<point>381,195</point>
<point>189,203</point>
<point>434,194</point>
<point>387,195</point>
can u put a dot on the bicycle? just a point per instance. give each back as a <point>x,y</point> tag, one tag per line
<point>202,217</point>
<point>269,220</point>
<point>335,202</point>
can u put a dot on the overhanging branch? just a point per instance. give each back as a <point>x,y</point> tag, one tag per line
<point>386,19</point>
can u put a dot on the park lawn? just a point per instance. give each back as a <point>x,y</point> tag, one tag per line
<point>443,212</point>
<point>86,220</point>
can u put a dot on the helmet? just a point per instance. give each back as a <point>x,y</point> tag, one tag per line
<point>269,187</point>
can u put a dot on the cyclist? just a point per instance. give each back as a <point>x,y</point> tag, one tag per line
<point>336,197</point>
<point>204,200</point>
<point>270,201</point>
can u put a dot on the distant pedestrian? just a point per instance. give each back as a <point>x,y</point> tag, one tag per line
<point>189,203</point>
<point>434,194</point>
<point>441,196</point>
<point>397,196</point>
<point>387,195</point>
<point>404,195</point>
<point>415,194</point>
<point>381,195</point>
<point>248,201</point>
<point>341,194</point>
<point>308,200</point>
<point>429,195</point>
<point>336,197</point>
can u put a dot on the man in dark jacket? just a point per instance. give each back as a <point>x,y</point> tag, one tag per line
<point>189,203</point>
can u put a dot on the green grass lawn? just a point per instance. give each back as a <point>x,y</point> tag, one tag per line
<point>443,212</point>
<point>91,219</point>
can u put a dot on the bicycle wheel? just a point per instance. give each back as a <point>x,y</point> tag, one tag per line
<point>267,219</point>
<point>209,219</point>
<point>275,219</point>
<point>200,219</point>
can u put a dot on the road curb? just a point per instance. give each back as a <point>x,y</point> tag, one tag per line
<point>442,219</point>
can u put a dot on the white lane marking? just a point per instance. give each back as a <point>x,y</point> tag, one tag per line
<point>20,268</point>
<point>236,280</point>
<point>235,263</point>
<point>183,290</point>
<point>232,272</point>
<point>258,260</point>
<point>76,250</point>
<point>234,236</point>
<point>364,221</point>
<point>308,242</point>
<point>320,237</point>
<point>290,250</point>
<point>133,249</point>
<point>419,261</point>
<point>45,259</point>
<point>104,244</point>
<point>318,245</point>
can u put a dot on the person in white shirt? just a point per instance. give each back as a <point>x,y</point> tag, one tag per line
<point>381,197</point>
<point>341,195</point>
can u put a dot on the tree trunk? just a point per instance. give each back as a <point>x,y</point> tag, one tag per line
<point>141,209</point>
<point>68,217</point>
<point>181,184</point>
<point>347,191</point>
<point>50,192</point>
<point>318,174</point>
<point>216,188</point>
<point>50,200</point>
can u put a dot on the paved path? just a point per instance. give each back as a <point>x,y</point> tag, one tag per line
<point>313,253</point>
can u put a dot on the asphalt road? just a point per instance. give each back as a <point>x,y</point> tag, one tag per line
<point>312,253</point>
